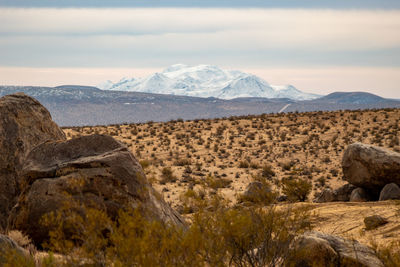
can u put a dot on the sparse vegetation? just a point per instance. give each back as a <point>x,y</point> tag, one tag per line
<point>203,168</point>
<point>306,145</point>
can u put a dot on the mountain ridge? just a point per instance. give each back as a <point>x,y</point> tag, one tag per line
<point>75,105</point>
<point>206,81</point>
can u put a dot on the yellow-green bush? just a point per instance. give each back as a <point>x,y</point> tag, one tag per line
<point>296,189</point>
<point>217,236</point>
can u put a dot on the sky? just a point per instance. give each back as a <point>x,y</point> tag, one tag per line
<point>318,46</point>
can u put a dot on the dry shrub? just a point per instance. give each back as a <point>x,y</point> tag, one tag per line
<point>167,176</point>
<point>9,257</point>
<point>243,164</point>
<point>21,239</point>
<point>217,236</point>
<point>216,183</point>
<point>182,162</point>
<point>145,163</point>
<point>390,254</point>
<point>296,189</point>
<point>261,195</point>
<point>267,171</point>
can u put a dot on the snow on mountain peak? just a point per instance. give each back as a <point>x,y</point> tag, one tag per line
<point>206,81</point>
<point>175,67</point>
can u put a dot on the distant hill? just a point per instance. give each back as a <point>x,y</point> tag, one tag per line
<point>352,97</point>
<point>74,105</point>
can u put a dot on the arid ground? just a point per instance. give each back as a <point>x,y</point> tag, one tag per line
<point>225,155</point>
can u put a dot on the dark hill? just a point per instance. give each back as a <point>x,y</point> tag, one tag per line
<point>74,105</point>
<point>352,97</point>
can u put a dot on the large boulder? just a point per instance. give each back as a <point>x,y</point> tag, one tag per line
<point>95,170</point>
<point>370,167</point>
<point>390,191</point>
<point>319,249</point>
<point>24,124</point>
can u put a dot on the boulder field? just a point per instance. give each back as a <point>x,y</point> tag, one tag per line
<point>373,174</point>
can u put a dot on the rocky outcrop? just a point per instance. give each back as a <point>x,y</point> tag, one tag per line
<point>319,249</point>
<point>96,170</point>
<point>370,167</point>
<point>24,124</point>
<point>341,194</point>
<point>390,191</point>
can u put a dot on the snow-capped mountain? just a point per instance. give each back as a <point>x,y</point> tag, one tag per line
<point>206,81</point>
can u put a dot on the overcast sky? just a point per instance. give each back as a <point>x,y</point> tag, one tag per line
<point>346,46</point>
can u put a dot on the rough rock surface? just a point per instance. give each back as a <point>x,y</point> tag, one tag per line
<point>24,124</point>
<point>374,221</point>
<point>328,195</point>
<point>359,195</point>
<point>7,245</point>
<point>370,167</point>
<point>96,170</point>
<point>319,249</point>
<point>390,191</point>
<point>341,194</point>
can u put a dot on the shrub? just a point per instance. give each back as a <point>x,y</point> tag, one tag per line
<point>296,189</point>
<point>182,162</point>
<point>261,193</point>
<point>216,183</point>
<point>21,239</point>
<point>326,159</point>
<point>9,257</point>
<point>145,163</point>
<point>243,164</point>
<point>267,171</point>
<point>167,176</point>
<point>254,165</point>
<point>390,254</point>
<point>218,236</point>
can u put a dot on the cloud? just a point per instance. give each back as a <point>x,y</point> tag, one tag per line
<point>159,36</point>
<point>206,3</point>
